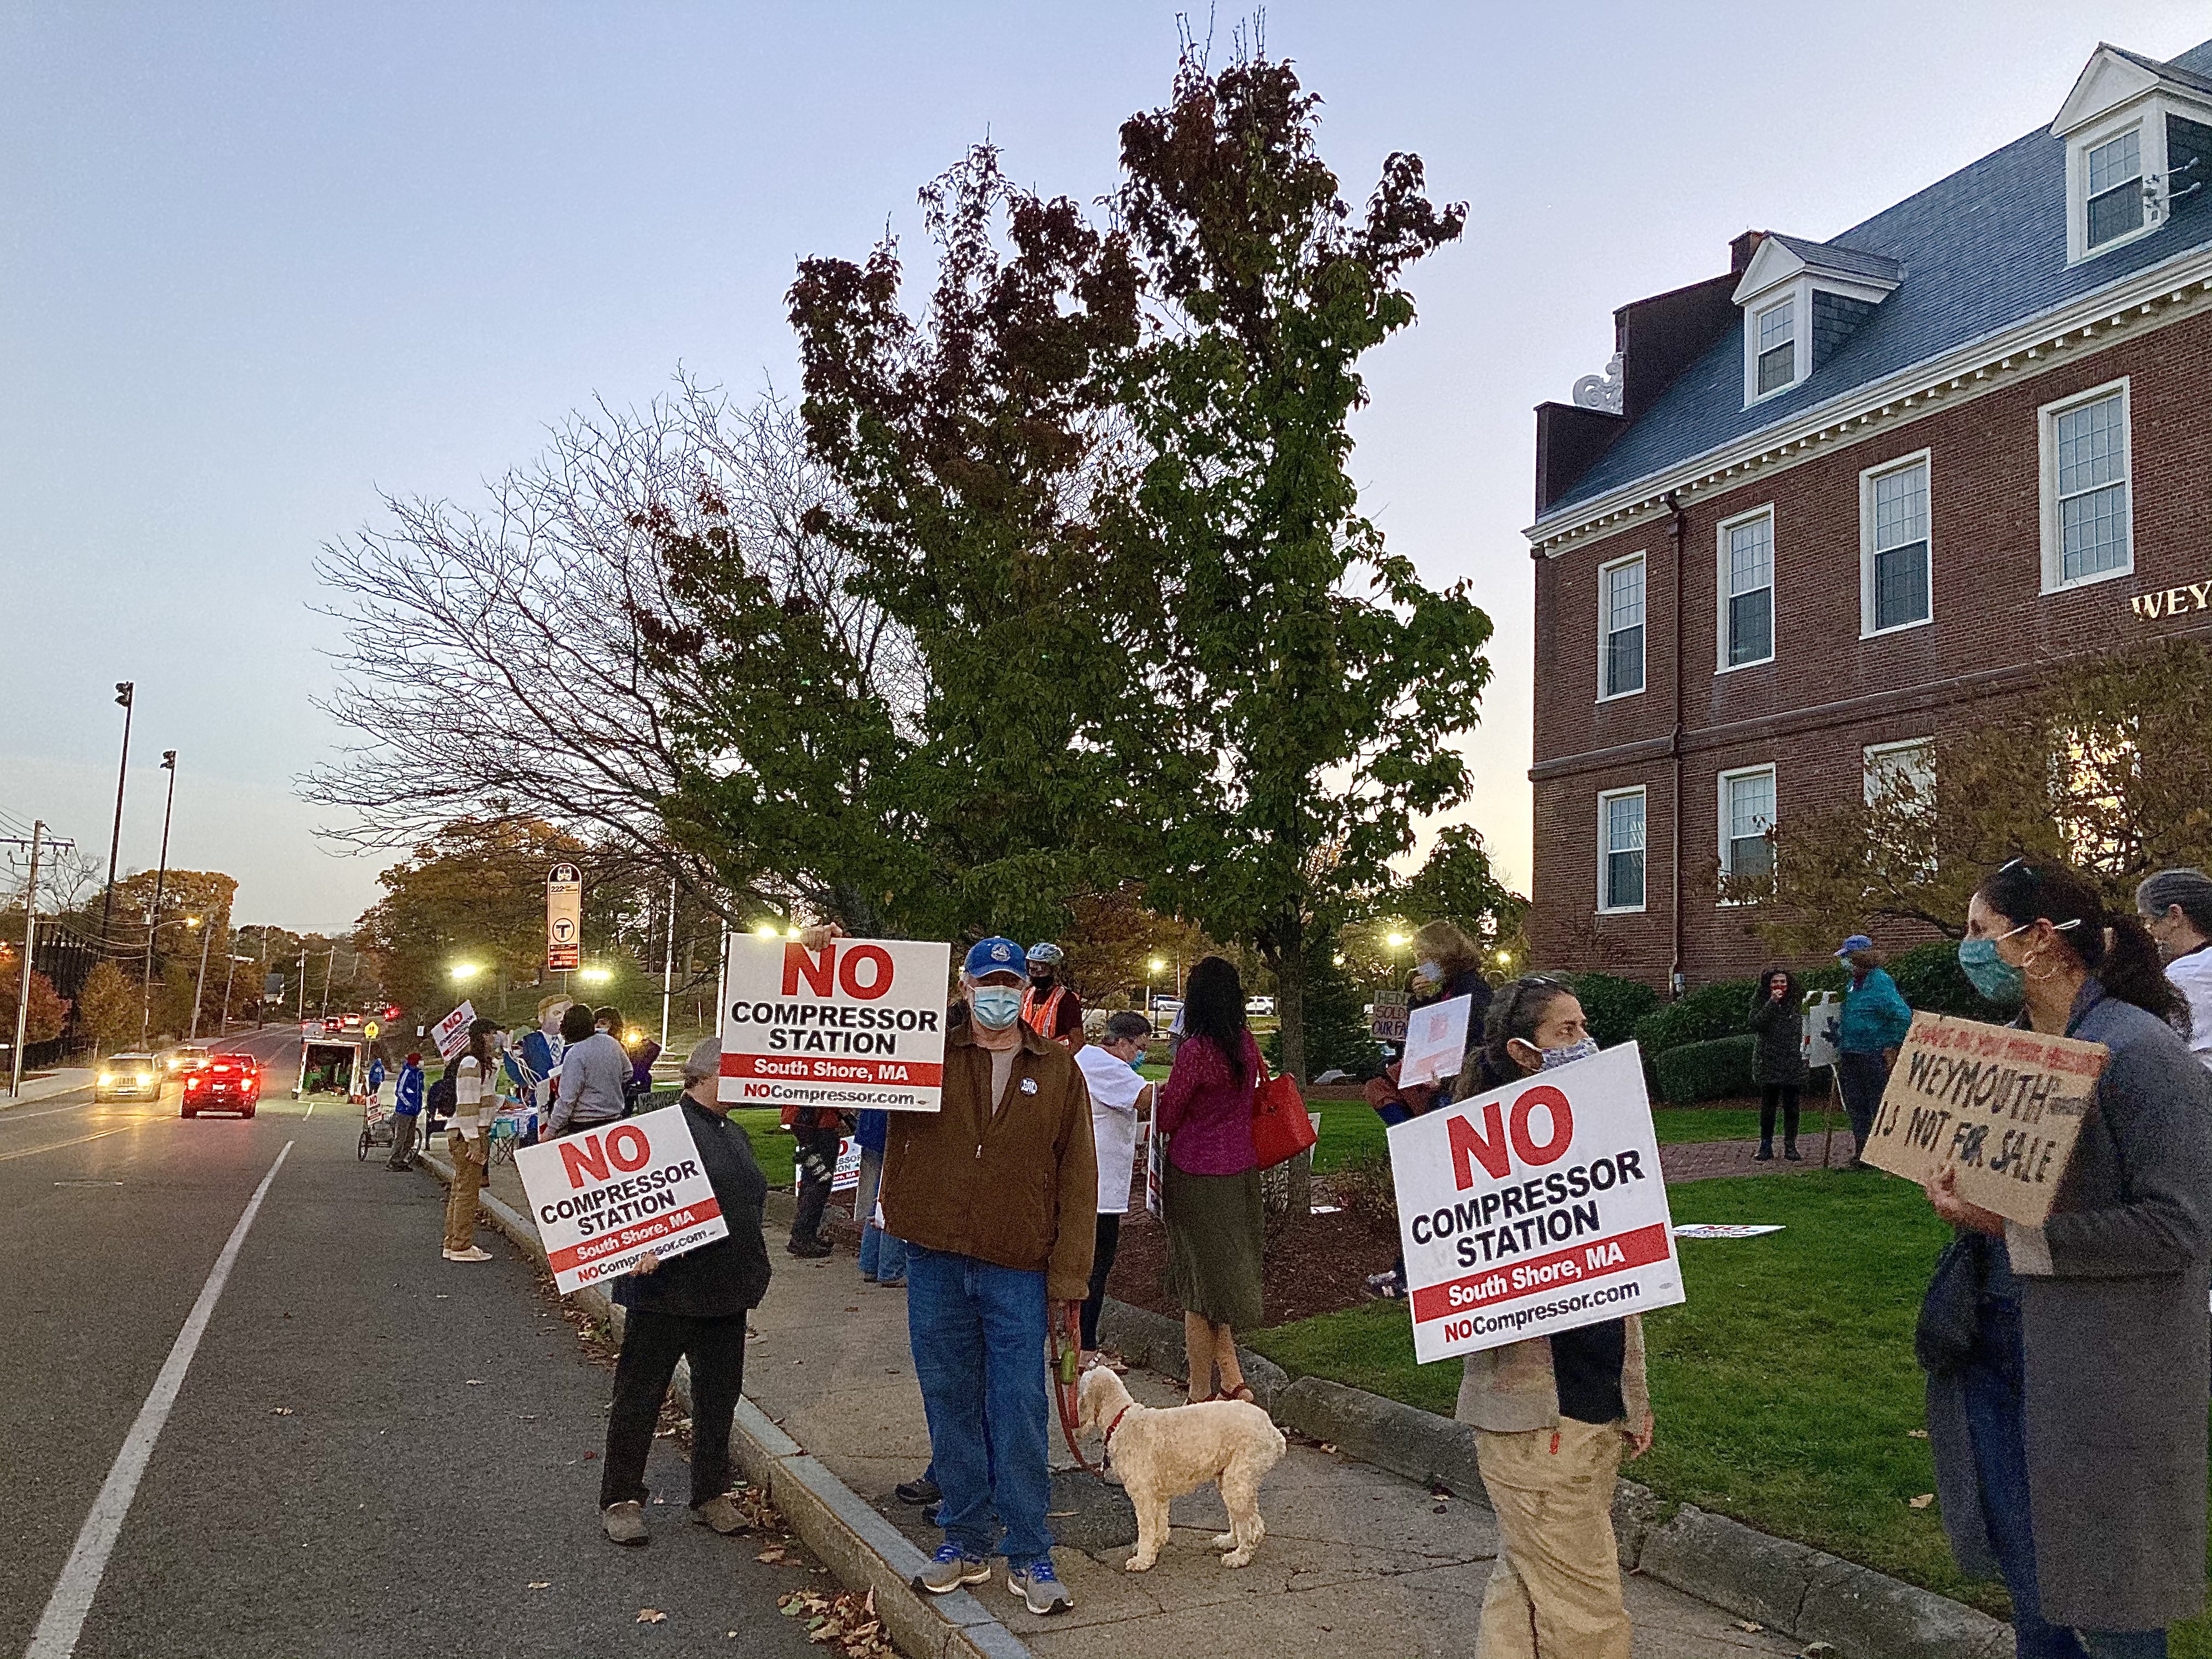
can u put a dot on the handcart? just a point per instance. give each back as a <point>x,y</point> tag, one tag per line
<point>379,1126</point>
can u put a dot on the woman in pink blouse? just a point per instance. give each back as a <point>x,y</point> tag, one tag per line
<point>1215,1222</point>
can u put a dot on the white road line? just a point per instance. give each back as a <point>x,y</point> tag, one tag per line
<point>309,1113</point>
<point>62,1621</point>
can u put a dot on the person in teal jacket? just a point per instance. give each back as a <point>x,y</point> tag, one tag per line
<point>1875,1019</point>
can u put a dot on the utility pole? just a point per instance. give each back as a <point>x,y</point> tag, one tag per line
<point>161,886</point>
<point>232,973</point>
<point>668,965</point>
<point>125,691</point>
<point>23,988</point>
<point>330,962</point>
<point>199,985</point>
<point>303,981</point>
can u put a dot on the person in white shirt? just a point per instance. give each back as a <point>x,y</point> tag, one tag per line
<point>2175,908</point>
<point>1119,1098</point>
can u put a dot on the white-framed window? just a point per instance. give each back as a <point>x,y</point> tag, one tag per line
<point>1747,814</point>
<point>1620,627</point>
<point>2112,189</point>
<point>1895,545</point>
<point>2087,516</point>
<point>1904,769</point>
<point>1620,850</point>
<point>1746,586</point>
<point>1774,353</point>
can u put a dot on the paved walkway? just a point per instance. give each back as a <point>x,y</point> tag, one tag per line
<point>45,1085</point>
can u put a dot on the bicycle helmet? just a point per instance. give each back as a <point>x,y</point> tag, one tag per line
<point>1050,955</point>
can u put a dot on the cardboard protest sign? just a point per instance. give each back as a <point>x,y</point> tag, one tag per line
<point>1435,1042</point>
<point>845,1177</point>
<point>855,1025</point>
<point>1389,1020</point>
<point>603,1197</point>
<point>1538,1207</point>
<point>1824,1022</point>
<point>2000,1106</point>
<point>452,1033</point>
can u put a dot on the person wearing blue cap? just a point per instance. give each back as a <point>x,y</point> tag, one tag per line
<point>1875,1019</point>
<point>996,1196</point>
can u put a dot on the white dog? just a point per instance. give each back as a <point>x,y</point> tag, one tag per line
<point>1162,1454</point>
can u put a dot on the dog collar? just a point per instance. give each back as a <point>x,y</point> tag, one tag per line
<point>1116,1423</point>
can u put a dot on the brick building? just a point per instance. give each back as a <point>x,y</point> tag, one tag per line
<point>1831,500</point>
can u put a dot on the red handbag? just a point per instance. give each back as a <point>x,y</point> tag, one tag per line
<point>1280,1128</point>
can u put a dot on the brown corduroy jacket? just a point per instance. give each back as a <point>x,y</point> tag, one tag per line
<point>1018,1188</point>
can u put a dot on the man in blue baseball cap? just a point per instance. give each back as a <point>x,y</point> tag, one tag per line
<point>996,1195</point>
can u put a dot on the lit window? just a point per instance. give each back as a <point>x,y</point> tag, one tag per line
<point>1778,347</point>
<point>1746,814</point>
<point>1893,508</point>
<point>1620,850</point>
<point>1620,627</point>
<point>2084,498</point>
<point>1748,591</point>
<point>2115,188</point>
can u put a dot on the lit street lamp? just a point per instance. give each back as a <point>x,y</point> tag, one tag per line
<point>465,971</point>
<point>595,976</point>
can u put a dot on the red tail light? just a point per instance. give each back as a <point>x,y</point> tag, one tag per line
<point>194,1082</point>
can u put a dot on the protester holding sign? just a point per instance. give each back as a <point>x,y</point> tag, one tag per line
<point>693,1307</point>
<point>1552,1414</point>
<point>2176,908</point>
<point>995,1193</point>
<point>476,1103</point>
<point>2068,1361</point>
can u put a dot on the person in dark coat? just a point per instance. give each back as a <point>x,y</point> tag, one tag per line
<point>1777,1064</point>
<point>2070,1445</point>
<point>691,1307</point>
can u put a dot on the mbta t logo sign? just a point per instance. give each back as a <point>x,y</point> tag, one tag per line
<point>586,1157</point>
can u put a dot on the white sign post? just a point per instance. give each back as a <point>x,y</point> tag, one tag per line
<point>602,1197</point>
<point>858,1024</point>
<point>452,1033</point>
<point>1435,1042</point>
<point>1536,1208</point>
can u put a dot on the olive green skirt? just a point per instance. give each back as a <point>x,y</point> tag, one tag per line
<point>1217,1233</point>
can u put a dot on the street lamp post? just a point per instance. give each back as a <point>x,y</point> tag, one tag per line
<point>226,978</point>
<point>199,985</point>
<point>1152,966</point>
<point>161,887</point>
<point>124,691</point>
<point>146,998</point>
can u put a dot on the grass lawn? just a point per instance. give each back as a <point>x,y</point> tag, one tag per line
<point>772,1144</point>
<point>1785,1389</point>
<point>1350,1128</point>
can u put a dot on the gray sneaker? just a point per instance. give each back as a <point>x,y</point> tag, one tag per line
<point>949,1569</point>
<point>1039,1587</point>
<point>625,1523</point>
<point>722,1514</point>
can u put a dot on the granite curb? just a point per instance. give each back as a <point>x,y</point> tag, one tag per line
<point>866,1552</point>
<point>1802,1592</point>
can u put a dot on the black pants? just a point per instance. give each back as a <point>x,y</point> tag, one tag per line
<point>1863,1076</point>
<point>818,1163</point>
<point>1785,1095</point>
<point>1101,1263</point>
<point>651,1344</point>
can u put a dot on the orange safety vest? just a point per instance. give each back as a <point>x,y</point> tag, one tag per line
<point>1037,1015</point>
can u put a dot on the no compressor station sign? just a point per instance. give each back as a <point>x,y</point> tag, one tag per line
<point>858,1024</point>
<point>602,1197</point>
<point>1536,1208</point>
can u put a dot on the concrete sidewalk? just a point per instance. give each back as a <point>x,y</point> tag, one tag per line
<point>1357,1561</point>
<point>66,1080</point>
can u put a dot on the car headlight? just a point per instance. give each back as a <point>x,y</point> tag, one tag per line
<point>108,1079</point>
<point>145,1077</point>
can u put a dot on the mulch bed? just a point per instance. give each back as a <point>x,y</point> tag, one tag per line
<point>1312,1266</point>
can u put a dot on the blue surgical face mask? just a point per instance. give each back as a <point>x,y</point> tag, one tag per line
<point>1998,981</point>
<point>1137,1060</point>
<point>996,1006</point>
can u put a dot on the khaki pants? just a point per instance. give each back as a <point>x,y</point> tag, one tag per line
<point>403,1141</point>
<point>1555,1593</point>
<point>468,1182</point>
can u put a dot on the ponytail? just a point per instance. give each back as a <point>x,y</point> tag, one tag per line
<point>2113,946</point>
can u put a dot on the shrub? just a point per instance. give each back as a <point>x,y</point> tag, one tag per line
<point>1365,1186</point>
<point>1704,1015</point>
<point>1612,1005</point>
<point>1716,1070</point>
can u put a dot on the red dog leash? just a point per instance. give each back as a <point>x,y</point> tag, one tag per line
<point>1067,1375</point>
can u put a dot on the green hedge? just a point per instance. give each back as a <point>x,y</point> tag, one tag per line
<point>1694,1072</point>
<point>1612,1005</point>
<point>1704,1015</point>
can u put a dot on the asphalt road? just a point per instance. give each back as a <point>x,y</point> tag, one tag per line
<point>373,1452</point>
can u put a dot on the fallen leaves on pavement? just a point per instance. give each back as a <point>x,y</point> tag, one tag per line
<point>650,1616</point>
<point>843,1620</point>
<point>282,1411</point>
<point>541,1584</point>
<point>1921,1502</point>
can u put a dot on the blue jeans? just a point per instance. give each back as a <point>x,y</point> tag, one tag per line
<point>1996,1419</point>
<point>883,1256</point>
<point>978,1336</point>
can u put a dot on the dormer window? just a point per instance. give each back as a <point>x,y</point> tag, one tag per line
<point>2135,150</point>
<point>1802,303</point>
<point>2114,185</point>
<point>1777,367</point>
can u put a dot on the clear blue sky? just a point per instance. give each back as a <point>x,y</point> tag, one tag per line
<point>257,262</point>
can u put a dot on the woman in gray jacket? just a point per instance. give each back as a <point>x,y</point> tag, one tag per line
<point>2070,1441</point>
